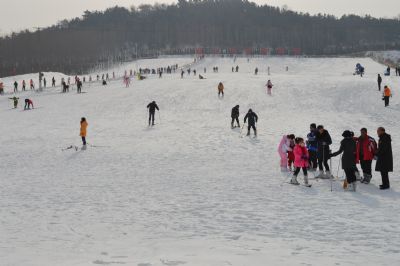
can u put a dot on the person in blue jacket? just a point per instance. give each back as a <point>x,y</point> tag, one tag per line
<point>312,147</point>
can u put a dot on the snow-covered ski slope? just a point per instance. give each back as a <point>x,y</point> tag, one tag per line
<point>190,191</point>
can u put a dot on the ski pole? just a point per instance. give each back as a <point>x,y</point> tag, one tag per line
<point>241,130</point>
<point>331,177</point>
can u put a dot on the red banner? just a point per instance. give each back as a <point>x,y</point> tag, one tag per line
<point>280,51</point>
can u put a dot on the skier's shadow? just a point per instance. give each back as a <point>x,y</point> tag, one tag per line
<point>372,195</point>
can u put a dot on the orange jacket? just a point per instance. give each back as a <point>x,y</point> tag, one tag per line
<point>84,125</point>
<point>387,92</point>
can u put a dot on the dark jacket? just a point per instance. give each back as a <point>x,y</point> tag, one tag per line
<point>152,107</point>
<point>348,147</point>
<point>379,79</point>
<point>253,118</point>
<point>324,140</point>
<point>384,162</point>
<point>235,112</point>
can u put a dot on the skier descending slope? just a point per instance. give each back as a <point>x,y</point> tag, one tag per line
<point>152,109</point>
<point>221,90</point>
<point>83,132</point>
<point>253,119</point>
<point>15,101</point>
<point>300,161</point>
<point>387,93</point>
<point>349,149</point>
<point>324,141</point>
<point>269,87</point>
<point>235,116</point>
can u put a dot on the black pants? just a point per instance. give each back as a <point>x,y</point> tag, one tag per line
<point>235,119</point>
<point>350,175</point>
<point>297,171</point>
<point>385,179</point>
<point>84,140</point>
<point>253,126</point>
<point>323,157</point>
<point>379,86</point>
<point>366,167</point>
<point>313,161</point>
<point>386,98</point>
<point>79,89</point>
<point>151,118</point>
<point>221,92</point>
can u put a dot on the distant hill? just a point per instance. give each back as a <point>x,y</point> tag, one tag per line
<point>211,26</point>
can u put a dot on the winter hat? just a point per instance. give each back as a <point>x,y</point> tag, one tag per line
<point>298,140</point>
<point>347,134</point>
<point>250,111</point>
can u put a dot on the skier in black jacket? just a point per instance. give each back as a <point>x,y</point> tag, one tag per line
<point>384,163</point>
<point>152,109</point>
<point>253,119</point>
<point>324,140</point>
<point>235,116</point>
<point>348,147</point>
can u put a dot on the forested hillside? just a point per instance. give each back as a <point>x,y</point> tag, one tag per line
<point>202,26</point>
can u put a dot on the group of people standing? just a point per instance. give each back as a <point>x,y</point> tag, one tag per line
<point>315,153</point>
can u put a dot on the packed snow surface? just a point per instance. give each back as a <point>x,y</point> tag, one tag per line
<point>190,191</point>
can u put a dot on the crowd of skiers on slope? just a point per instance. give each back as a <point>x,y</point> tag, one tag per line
<point>314,153</point>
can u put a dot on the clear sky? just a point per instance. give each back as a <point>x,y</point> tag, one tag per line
<point>20,14</point>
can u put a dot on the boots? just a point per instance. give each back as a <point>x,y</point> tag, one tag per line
<point>320,174</point>
<point>294,180</point>
<point>248,133</point>
<point>352,187</point>
<point>328,175</point>
<point>255,132</point>
<point>367,179</point>
<point>232,125</point>
<point>306,180</point>
<point>358,176</point>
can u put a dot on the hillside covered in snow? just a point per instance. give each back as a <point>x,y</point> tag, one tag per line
<point>190,190</point>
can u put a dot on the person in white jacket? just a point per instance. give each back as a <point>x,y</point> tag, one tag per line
<point>283,148</point>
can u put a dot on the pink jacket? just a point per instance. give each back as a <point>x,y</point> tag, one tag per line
<point>284,145</point>
<point>300,156</point>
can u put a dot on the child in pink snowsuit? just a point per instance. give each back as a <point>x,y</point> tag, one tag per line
<point>283,151</point>
<point>290,151</point>
<point>301,161</point>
